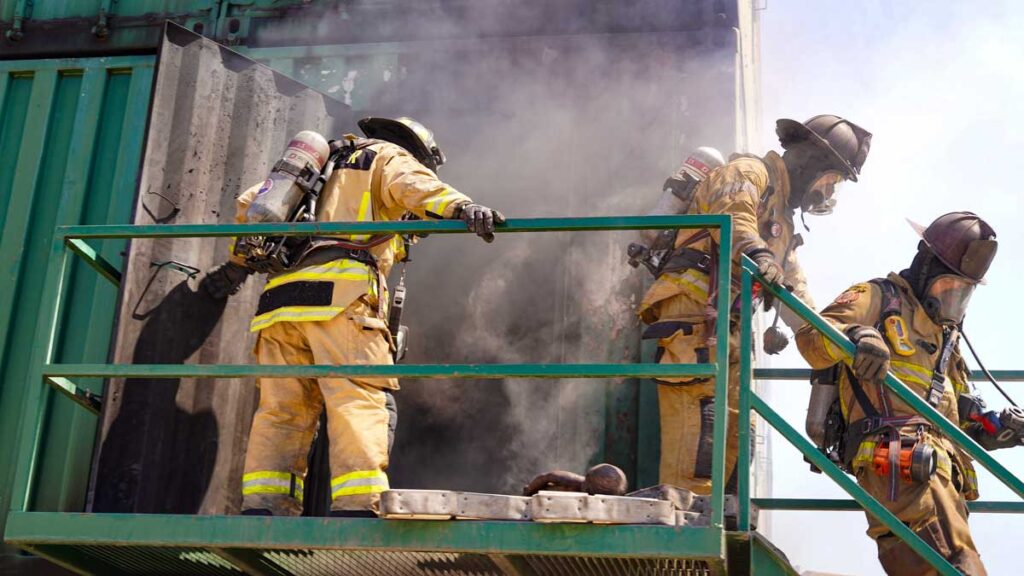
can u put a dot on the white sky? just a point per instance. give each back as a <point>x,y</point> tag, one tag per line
<point>941,86</point>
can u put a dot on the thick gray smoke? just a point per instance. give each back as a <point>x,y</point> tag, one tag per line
<point>541,126</point>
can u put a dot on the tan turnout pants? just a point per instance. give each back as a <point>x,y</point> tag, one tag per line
<point>284,424</point>
<point>687,412</point>
<point>936,511</point>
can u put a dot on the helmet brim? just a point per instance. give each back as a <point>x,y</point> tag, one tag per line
<point>920,230</point>
<point>397,133</point>
<point>791,132</point>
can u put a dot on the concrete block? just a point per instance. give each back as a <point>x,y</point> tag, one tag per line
<point>417,504</point>
<point>580,507</point>
<point>476,506</point>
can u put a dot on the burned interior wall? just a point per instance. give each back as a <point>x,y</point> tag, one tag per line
<point>218,122</point>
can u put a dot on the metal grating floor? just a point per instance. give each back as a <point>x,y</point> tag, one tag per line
<point>359,562</point>
<point>138,544</point>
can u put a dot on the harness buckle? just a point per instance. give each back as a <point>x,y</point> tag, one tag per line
<point>704,262</point>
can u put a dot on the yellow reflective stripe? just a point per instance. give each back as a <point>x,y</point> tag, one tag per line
<point>343,269</point>
<point>912,373</point>
<point>691,281</point>
<point>943,463</point>
<point>294,314</point>
<point>272,482</point>
<point>364,209</point>
<point>285,490</point>
<point>830,349</point>
<point>357,490</point>
<point>865,454</point>
<point>359,482</point>
<point>441,201</point>
<point>262,475</point>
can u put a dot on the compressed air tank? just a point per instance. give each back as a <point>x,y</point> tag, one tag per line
<point>280,193</point>
<point>679,188</point>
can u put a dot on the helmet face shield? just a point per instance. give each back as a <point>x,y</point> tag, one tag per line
<point>978,258</point>
<point>819,199</point>
<point>946,298</point>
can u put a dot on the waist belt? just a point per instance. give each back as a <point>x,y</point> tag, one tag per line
<point>875,424</point>
<point>323,253</point>
<point>684,258</point>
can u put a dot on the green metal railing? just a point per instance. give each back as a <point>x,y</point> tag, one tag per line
<point>748,401</point>
<point>76,239</point>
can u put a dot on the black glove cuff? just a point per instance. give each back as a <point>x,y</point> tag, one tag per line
<point>753,253</point>
<point>855,332</point>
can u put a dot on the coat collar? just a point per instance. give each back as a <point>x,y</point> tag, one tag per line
<point>921,322</point>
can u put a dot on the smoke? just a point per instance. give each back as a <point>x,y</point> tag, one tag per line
<point>560,125</point>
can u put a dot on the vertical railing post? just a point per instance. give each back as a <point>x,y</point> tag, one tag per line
<point>724,286</point>
<point>34,405</point>
<point>745,383</point>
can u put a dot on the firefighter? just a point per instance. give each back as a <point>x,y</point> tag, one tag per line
<point>910,323</point>
<point>330,308</point>
<point>762,196</point>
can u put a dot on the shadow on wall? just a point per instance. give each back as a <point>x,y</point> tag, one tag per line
<point>138,476</point>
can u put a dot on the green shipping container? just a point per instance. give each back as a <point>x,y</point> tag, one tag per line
<point>70,140</point>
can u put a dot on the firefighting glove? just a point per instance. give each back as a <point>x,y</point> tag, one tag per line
<point>224,280</point>
<point>871,362</point>
<point>767,267</point>
<point>774,340</point>
<point>481,219</point>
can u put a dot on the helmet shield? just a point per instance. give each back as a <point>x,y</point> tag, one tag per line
<point>978,258</point>
<point>946,298</point>
<point>962,241</point>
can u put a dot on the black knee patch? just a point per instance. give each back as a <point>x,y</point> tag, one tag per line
<point>705,443</point>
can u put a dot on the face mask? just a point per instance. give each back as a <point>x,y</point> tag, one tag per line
<point>946,298</point>
<point>818,200</point>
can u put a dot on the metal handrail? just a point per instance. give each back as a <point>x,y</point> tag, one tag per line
<point>748,400</point>
<point>75,239</point>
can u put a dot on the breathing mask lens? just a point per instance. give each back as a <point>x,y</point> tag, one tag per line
<point>946,298</point>
<point>819,200</point>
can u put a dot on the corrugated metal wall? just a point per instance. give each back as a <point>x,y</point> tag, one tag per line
<point>70,142</point>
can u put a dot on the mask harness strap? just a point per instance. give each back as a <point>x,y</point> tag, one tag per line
<point>938,385</point>
<point>985,370</point>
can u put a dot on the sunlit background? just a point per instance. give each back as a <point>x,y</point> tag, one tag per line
<point>941,86</point>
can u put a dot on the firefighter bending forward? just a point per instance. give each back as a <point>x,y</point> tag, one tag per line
<point>910,323</point>
<point>762,195</point>
<point>330,308</point>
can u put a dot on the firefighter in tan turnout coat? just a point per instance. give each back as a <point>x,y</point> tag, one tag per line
<point>331,308</point>
<point>909,323</point>
<point>762,195</point>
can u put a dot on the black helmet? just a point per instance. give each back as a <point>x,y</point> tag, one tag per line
<point>844,141</point>
<point>962,241</point>
<point>407,133</point>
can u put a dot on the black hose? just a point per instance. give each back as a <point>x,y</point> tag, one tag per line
<point>985,370</point>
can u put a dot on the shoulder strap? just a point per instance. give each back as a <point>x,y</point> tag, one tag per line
<point>891,300</point>
<point>862,397</point>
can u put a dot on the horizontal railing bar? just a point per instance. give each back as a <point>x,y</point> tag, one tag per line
<point>478,371</point>
<point>845,505</point>
<point>805,374</point>
<point>390,227</point>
